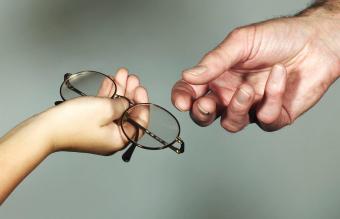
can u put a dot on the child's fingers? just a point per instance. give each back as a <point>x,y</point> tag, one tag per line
<point>106,88</point>
<point>140,113</point>
<point>115,133</point>
<point>132,84</point>
<point>137,113</point>
<point>120,79</point>
<point>116,137</point>
<point>119,134</point>
<point>141,95</point>
<point>113,109</point>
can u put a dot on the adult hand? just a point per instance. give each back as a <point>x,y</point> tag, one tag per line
<point>269,73</point>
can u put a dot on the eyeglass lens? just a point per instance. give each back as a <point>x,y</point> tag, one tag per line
<point>88,83</point>
<point>156,127</point>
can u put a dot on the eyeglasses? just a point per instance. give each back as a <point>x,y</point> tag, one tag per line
<point>154,128</point>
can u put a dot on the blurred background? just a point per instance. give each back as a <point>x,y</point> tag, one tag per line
<point>289,174</point>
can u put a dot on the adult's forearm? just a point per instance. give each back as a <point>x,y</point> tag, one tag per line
<point>324,7</point>
<point>21,150</point>
<point>324,17</point>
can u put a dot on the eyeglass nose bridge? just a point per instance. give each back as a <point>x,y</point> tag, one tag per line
<point>180,149</point>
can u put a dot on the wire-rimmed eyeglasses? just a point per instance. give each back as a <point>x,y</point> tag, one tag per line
<point>155,128</point>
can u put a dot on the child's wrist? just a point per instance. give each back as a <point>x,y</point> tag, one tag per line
<point>44,129</point>
<point>32,133</point>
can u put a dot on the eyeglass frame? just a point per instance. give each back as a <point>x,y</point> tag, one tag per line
<point>128,153</point>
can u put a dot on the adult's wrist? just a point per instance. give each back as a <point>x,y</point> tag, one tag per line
<point>323,8</point>
<point>326,31</point>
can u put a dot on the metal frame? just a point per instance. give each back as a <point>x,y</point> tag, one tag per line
<point>134,142</point>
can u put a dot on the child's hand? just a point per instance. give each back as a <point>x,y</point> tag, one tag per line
<point>86,124</point>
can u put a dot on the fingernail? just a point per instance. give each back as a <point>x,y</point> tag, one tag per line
<point>196,71</point>
<point>179,107</point>
<point>242,96</point>
<point>202,110</point>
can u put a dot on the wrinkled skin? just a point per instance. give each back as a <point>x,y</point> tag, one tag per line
<point>269,73</point>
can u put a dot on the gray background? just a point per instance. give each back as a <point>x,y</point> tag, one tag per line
<point>290,174</point>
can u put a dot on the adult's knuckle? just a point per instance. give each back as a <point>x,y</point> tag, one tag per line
<point>274,91</point>
<point>198,121</point>
<point>215,54</point>
<point>238,109</point>
<point>239,32</point>
<point>265,118</point>
<point>231,126</point>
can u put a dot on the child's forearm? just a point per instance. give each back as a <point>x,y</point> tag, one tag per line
<point>21,150</point>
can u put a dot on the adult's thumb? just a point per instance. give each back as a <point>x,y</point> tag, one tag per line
<point>234,49</point>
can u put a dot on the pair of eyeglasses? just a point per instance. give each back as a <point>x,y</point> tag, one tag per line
<point>154,128</point>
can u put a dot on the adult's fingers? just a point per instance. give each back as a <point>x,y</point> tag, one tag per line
<point>271,105</point>
<point>206,109</point>
<point>270,112</point>
<point>237,115</point>
<point>183,94</point>
<point>235,48</point>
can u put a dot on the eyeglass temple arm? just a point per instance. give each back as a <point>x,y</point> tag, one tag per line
<point>157,138</point>
<point>128,153</point>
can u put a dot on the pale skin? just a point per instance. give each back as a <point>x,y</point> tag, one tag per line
<point>269,73</point>
<point>83,124</point>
